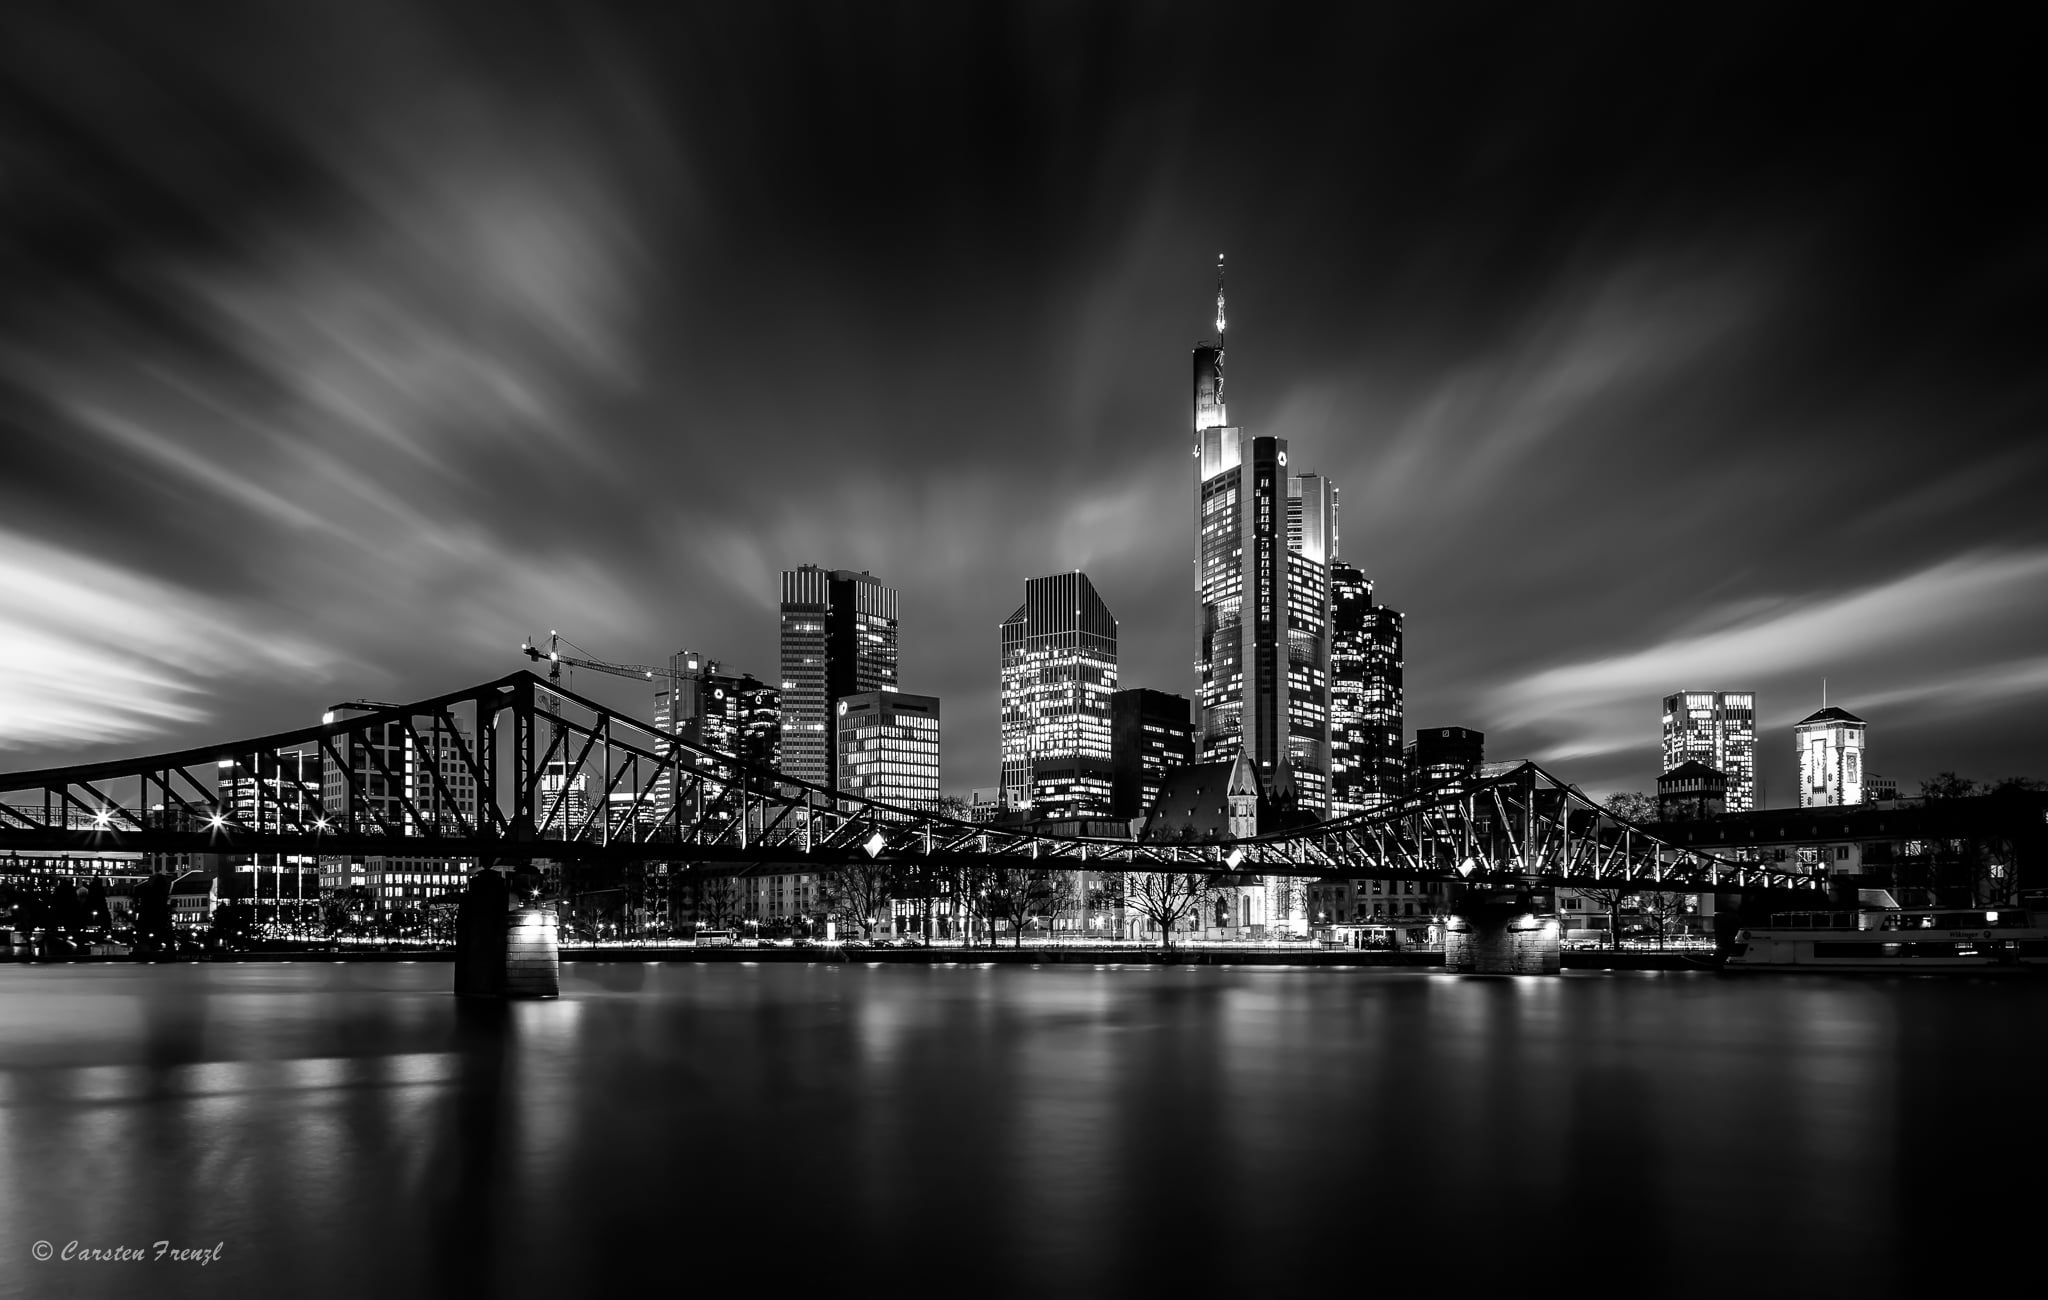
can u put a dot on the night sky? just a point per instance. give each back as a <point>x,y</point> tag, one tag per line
<point>343,346</point>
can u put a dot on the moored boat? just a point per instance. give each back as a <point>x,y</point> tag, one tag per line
<point>1908,940</point>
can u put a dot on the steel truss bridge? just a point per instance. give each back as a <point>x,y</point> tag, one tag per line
<point>518,769</point>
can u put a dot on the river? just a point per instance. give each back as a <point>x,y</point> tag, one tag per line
<point>327,1129</point>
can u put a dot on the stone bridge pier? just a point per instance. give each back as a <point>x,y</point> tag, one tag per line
<point>1503,933</point>
<point>505,944</point>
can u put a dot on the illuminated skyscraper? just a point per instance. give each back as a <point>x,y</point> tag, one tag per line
<point>888,748</point>
<point>1717,728</point>
<point>838,639</point>
<point>1366,711</point>
<point>1058,672</point>
<point>1830,758</point>
<point>1264,536</point>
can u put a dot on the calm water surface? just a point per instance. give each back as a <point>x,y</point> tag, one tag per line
<point>351,1130</point>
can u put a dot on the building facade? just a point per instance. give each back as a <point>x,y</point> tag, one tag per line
<point>274,792</point>
<point>1442,759</point>
<point>888,748</point>
<point>839,638</point>
<point>1150,734</point>
<point>1717,728</point>
<point>1830,747</point>
<point>1367,719</point>
<point>399,784</point>
<point>1264,535</point>
<point>1058,674</point>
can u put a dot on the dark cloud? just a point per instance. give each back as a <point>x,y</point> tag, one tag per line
<point>347,344</point>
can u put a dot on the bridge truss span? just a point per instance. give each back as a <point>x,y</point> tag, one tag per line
<point>518,769</point>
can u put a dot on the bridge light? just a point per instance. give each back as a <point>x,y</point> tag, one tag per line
<point>216,820</point>
<point>1468,866</point>
<point>874,844</point>
<point>1235,856</point>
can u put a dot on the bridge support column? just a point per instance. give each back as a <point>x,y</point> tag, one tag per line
<point>505,947</point>
<point>1502,936</point>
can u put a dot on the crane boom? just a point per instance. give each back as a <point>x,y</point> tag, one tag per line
<point>552,656</point>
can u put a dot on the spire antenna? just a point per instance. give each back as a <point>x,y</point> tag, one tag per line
<point>1219,300</point>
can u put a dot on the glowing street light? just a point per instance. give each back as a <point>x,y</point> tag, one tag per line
<point>874,844</point>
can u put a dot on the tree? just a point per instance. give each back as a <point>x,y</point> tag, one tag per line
<point>1018,894</point>
<point>1632,805</point>
<point>1609,901</point>
<point>1165,899</point>
<point>858,893</point>
<point>1947,785</point>
<point>1662,912</point>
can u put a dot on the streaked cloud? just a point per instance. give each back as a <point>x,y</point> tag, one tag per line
<point>98,652</point>
<point>1909,638</point>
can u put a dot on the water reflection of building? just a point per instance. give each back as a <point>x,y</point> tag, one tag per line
<point>1058,674</point>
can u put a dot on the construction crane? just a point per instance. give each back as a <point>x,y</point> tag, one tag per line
<point>555,659</point>
<point>553,656</point>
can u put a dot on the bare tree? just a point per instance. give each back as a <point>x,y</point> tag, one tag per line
<point>858,893</point>
<point>1662,911</point>
<point>1608,901</point>
<point>1166,899</point>
<point>1017,894</point>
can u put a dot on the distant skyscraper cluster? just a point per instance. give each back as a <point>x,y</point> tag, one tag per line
<point>1267,653</point>
<point>1710,738</point>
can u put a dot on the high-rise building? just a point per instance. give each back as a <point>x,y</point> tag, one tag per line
<point>1366,711</point>
<point>839,638</point>
<point>405,778</point>
<point>735,714</point>
<point>1058,673</point>
<point>1717,728</point>
<point>1150,734</point>
<point>1264,535</point>
<point>272,792</point>
<point>888,748</point>
<point>1830,745</point>
<point>1441,759</point>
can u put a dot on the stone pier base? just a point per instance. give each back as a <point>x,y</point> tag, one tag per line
<point>533,964</point>
<point>503,950</point>
<point>1502,939</point>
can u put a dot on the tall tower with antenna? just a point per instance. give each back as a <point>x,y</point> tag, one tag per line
<point>1264,537</point>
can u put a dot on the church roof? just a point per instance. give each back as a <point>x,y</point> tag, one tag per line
<point>1194,801</point>
<point>1831,715</point>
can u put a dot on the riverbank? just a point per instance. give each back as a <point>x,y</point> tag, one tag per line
<point>1027,956</point>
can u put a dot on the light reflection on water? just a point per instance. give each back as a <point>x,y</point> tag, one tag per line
<point>351,1130</point>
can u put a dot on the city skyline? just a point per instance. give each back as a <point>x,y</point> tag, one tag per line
<point>314,392</point>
